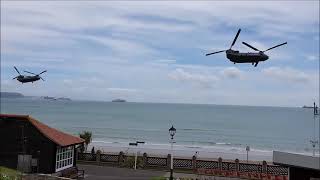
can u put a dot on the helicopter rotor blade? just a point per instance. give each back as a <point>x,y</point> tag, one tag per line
<point>275,46</point>
<point>15,78</point>
<point>235,38</point>
<point>42,72</point>
<point>41,78</point>
<point>250,46</point>
<point>30,72</point>
<point>17,70</point>
<point>214,53</point>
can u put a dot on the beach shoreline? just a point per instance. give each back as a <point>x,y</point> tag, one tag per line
<point>186,151</point>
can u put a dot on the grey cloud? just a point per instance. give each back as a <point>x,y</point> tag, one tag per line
<point>287,74</point>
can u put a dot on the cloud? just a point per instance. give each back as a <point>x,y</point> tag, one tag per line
<point>122,90</point>
<point>232,73</point>
<point>312,57</point>
<point>201,79</point>
<point>287,74</point>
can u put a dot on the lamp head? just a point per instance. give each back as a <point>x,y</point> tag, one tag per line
<point>172,131</point>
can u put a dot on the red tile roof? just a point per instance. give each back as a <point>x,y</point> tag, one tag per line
<point>58,137</point>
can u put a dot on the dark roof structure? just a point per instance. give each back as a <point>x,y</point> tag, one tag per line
<point>58,137</point>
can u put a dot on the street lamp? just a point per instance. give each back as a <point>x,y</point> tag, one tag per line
<point>136,155</point>
<point>172,132</point>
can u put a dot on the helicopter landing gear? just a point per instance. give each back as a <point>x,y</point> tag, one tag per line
<point>255,65</point>
<point>234,63</point>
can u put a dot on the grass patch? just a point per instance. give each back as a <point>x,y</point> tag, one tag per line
<point>9,174</point>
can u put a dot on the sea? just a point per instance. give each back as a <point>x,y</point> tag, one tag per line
<point>208,130</point>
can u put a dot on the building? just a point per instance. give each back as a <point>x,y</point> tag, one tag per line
<point>301,167</point>
<point>31,146</point>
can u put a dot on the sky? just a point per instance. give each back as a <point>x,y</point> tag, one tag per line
<point>145,51</point>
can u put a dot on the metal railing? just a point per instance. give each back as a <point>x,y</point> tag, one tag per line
<point>192,164</point>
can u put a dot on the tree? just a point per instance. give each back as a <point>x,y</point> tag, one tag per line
<point>87,136</point>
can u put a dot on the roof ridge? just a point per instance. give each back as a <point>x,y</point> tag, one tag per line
<point>58,137</point>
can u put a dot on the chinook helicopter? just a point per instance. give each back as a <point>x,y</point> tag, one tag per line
<point>25,79</point>
<point>250,57</point>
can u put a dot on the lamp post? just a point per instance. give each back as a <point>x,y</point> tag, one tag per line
<point>248,149</point>
<point>172,132</point>
<point>136,154</point>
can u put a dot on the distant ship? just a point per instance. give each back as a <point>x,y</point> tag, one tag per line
<point>118,100</point>
<point>64,99</point>
<point>49,98</point>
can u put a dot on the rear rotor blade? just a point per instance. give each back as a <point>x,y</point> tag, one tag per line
<point>250,46</point>
<point>275,46</point>
<point>43,72</point>
<point>16,70</point>
<point>214,53</point>
<point>41,78</point>
<point>30,72</point>
<point>235,38</point>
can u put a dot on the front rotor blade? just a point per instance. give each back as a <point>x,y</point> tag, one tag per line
<point>29,72</point>
<point>250,46</point>
<point>214,53</point>
<point>275,46</point>
<point>43,72</point>
<point>16,70</point>
<point>235,38</point>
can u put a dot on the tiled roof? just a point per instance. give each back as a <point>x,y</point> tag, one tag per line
<point>58,137</point>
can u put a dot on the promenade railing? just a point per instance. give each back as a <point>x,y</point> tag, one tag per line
<point>200,166</point>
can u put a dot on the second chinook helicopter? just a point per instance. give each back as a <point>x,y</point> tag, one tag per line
<point>25,79</point>
<point>238,57</point>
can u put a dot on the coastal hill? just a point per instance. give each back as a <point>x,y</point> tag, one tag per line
<point>11,95</point>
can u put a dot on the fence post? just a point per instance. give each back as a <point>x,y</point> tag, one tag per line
<point>169,161</point>
<point>98,153</point>
<point>194,163</point>
<point>237,165</point>
<point>220,163</point>
<point>264,167</point>
<point>145,160</point>
<point>120,158</point>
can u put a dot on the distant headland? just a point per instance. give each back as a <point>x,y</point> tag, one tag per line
<point>11,95</point>
<point>118,100</point>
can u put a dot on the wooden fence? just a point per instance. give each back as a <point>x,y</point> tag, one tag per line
<point>195,165</point>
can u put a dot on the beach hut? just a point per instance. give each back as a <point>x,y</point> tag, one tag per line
<point>33,147</point>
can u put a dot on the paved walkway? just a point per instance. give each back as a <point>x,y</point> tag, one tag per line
<point>94,172</point>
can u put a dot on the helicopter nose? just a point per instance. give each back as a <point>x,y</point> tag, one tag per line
<point>265,57</point>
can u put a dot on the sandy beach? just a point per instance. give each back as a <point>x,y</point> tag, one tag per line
<point>184,151</point>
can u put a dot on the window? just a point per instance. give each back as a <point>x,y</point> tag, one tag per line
<point>64,158</point>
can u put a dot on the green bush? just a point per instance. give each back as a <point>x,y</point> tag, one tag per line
<point>9,174</point>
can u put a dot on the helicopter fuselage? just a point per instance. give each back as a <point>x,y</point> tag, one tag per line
<point>25,79</point>
<point>238,57</point>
